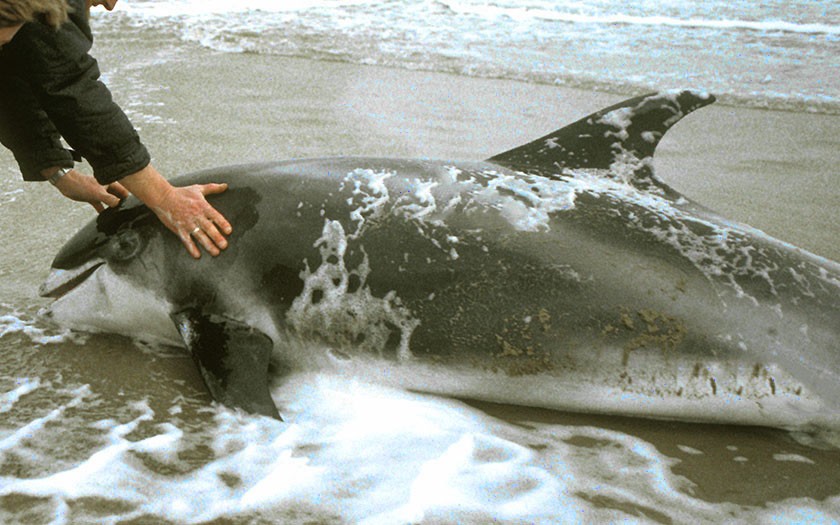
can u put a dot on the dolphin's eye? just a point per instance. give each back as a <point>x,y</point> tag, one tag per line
<point>125,245</point>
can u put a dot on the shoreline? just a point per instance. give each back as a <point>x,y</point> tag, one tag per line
<point>726,100</point>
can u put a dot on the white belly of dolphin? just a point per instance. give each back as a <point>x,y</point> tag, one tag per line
<point>107,303</point>
<point>717,392</point>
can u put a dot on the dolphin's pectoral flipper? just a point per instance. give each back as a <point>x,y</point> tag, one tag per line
<point>634,126</point>
<point>232,357</point>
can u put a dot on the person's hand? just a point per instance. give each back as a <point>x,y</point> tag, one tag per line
<point>84,188</point>
<point>183,210</point>
<point>187,213</point>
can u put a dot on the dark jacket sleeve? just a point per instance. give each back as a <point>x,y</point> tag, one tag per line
<point>27,131</point>
<point>64,80</point>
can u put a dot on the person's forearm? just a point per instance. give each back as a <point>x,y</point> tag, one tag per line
<point>148,185</point>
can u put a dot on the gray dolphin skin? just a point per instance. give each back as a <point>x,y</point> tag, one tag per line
<point>561,274</point>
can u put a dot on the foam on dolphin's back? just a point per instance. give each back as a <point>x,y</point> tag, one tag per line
<point>337,305</point>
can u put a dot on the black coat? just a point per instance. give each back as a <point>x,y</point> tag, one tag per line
<point>50,88</point>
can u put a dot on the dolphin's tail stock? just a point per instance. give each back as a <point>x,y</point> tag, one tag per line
<point>627,132</point>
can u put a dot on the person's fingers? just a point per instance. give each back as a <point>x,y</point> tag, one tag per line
<point>213,188</point>
<point>213,233</point>
<point>219,220</point>
<point>206,242</point>
<point>211,213</point>
<point>118,190</point>
<point>186,240</point>
<point>97,206</point>
<point>187,213</point>
<point>109,198</point>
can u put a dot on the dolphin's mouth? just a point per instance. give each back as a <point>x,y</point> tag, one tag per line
<point>60,282</point>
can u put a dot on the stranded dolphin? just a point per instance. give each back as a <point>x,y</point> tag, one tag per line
<point>560,274</point>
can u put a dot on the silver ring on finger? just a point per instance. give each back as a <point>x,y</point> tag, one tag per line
<point>196,230</point>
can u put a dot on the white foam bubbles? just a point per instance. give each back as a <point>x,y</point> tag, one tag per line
<point>7,197</point>
<point>357,453</point>
<point>582,44</point>
<point>24,386</point>
<point>795,458</point>
<point>534,11</point>
<point>16,323</point>
<point>17,439</point>
<point>159,8</point>
<point>410,458</point>
<point>370,189</point>
<point>479,468</point>
<point>525,201</point>
<point>337,305</point>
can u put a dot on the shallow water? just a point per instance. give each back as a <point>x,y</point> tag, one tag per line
<point>97,428</point>
<point>136,440</point>
<point>775,55</point>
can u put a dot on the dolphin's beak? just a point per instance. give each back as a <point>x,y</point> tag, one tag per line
<point>59,282</point>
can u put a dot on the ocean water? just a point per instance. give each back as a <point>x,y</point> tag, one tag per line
<point>776,54</point>
<point>101,429</point>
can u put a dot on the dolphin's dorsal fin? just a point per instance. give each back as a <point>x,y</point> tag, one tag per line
<point>632,127</point>
<point>232,357</point>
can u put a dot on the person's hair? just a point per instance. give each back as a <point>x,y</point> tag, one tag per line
<point>51,12</point>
